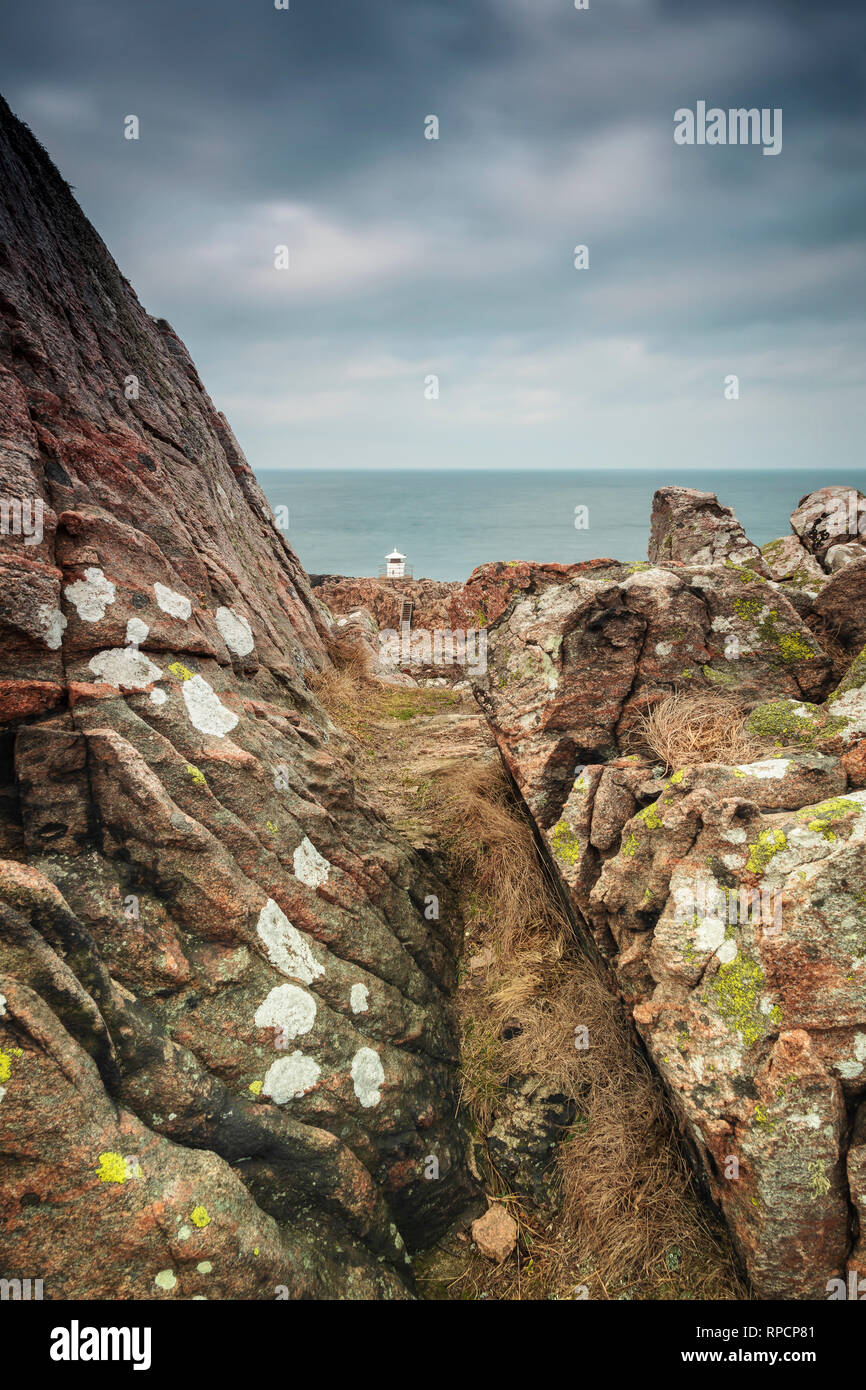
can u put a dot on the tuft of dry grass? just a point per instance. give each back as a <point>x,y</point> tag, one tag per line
<point>631,1222</point>
<point>688,727</point>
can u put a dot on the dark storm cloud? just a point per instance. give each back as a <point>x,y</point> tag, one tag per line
<point>412,257</point>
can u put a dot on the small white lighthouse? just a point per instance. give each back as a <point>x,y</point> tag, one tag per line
<point>395,565</point>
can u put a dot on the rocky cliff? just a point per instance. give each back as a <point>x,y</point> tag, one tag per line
<point>227,1056</point>
<point>726,894</point>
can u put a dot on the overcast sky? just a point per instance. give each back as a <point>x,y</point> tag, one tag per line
<point>413,257</point>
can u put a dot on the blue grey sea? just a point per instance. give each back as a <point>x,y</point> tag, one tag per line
<point>447,522</point>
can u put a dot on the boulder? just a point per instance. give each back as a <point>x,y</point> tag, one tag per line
<point>838,556</point>
<point>796,570</point>
<point>841,605</point>
<point>693,528</point>
<point>828,517</point>
<point>491,587</point>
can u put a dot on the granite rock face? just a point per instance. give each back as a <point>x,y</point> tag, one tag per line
<point>694,528</point>
<point>821,568</point>
<point>828,517</point>
<point>227,1056</point>
<point>728,901</point>
<point>572,666</point>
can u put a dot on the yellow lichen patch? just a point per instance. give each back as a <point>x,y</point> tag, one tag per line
<point>197,775</point>
<point>256,1087</point>
<point>272,827</point>
<point>768,844</point>
<point>736,990</point>
<point>199,1217</point>
<point>565,844</point>
<point>650,817</point>
<point>182,672</point>
<point>820,818</point>
<point>111,1168</point>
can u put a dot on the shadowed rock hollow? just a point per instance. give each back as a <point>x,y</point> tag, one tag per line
<point>227,1056</point>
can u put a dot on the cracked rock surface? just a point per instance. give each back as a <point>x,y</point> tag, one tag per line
<point>728,901</point>
<point>227,1051</point>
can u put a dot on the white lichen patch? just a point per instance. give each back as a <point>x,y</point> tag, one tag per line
<point>736,836</point>
<point>664,648</point>
<point>767,769</point>
<point>53,625</point>
<point>2,1005</point>
<point>311,867</point>
<point>289,1009</point>
<point>158,697</point>
<point>852,1067</point>
<point>136,632</point>
<point>124,666</point>
<point>166,1279</point>
<point>206,711</point>
<point>235,631</point>
<point>287,949</point>
<point>810,1119</point>
<point>851,706</point>
<point>172,603</point>
<point>358,998</point>
<point>368,1075</point>
<point>710,934</point>
<point>224,498</point>
<point>658,579</point>
<point>727,951</point>
<point>204,1267</point>
<point>291,1077</point>
<point>91,595</point>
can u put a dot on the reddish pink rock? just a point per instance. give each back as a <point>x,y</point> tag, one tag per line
<point>495,1234</point>
<point>226,1036</point>
<point>727,900</point>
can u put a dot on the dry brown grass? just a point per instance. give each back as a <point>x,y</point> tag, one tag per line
<point>695,727</point>
<point>631,1222</point>
<point>358,704</point>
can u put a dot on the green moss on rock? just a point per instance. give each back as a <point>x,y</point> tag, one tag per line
<point>778,720</point>
<point>718,677</point>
